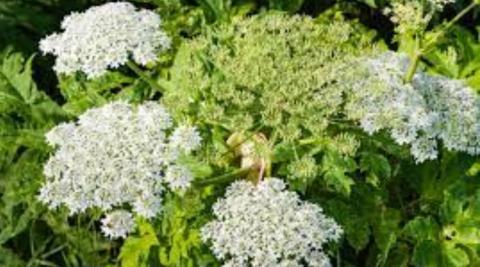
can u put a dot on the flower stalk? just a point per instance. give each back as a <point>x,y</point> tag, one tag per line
<point>423,49</point>
<point>225,178</point>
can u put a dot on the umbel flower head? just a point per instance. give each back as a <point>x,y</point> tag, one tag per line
<point>265,225</point>
<point>104,37</point>
<point>286,83</point>
<point>413,16</point>
<point>115,155</point>
<point>420,113</point>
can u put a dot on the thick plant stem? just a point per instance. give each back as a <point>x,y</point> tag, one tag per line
<point>415,60</point>
<point>413,67</point>
<point>223,178</point>
<point>145,77</point>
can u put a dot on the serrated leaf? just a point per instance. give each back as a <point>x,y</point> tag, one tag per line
<point>198,168</point>
<point>335,168</point>
<point>17,73</point>
<point>136,249</point>
<point>338,181</point>
<point>376,166</point>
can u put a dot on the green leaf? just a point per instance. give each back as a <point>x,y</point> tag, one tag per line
<point>455,257</point>
<point>215,9</point>
<point>18,75</point>
<point>376,166</point>
<point>371,3</point>
<point>386,231</point>
<point>136,249</point>
<point>19,93</point>
<point>427,254</point>
<point>82,94</point>
<point>198,168</point>
<point>355,225</point>
<point>452,207</point>
<point>19,182</point>
<point>422,228</point>
<point>283,152</point>
<point>10,259</point>
<point>25,112</point>
<point>335,168</point>
<point>339,181</point>
<point>399,256</point>
<point>445,62</point>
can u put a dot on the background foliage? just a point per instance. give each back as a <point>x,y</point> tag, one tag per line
<point>394,213</point>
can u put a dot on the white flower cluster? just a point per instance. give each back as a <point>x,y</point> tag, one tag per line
<point>105,37</point>
<point>118,223</point>
<point>420,113</point>
<point>117,154</point>
<point>412,16</point>
<point>266,226</point>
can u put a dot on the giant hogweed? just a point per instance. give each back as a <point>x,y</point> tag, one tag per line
<point>276,76</point>
<point>273,69</point>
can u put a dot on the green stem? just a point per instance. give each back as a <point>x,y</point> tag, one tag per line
<point>415,60</point>
<point>451,23</point>
<point>461,14</point>
<point>419,50</point>
<point>222,178</point>
<point>53,251</point>
<point>412,69</point>
<point>145,77</point>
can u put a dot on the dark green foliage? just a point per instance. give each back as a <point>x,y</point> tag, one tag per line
<point>29,234</point>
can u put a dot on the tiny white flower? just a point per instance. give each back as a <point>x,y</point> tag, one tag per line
<point>185,138</point>
<point>62,131</point>
<point>104,37</point>
<point>178,178</point>
<point>147,206</point>
<point>116,155</point>
<point>118,224</point>
<point>264,225</point>
<point>418,114</point>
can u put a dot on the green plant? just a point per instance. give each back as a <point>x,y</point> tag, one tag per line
<point>266,84</point>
